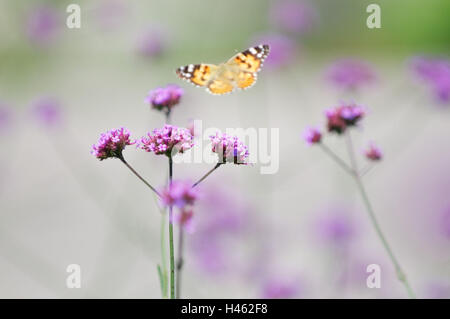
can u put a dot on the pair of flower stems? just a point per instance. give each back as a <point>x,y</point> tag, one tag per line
<point>175,288</point>
<point>353,171</point>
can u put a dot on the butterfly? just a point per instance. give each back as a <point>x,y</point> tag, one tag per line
<point>238,72</point>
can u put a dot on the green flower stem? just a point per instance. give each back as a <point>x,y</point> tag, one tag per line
<point>336,158</point>
<point>163,255</point>
<point>172,259</point>
<point>207,174</point>
<point>139,176</point>
<point>180,261</point>
<point>400,273</point>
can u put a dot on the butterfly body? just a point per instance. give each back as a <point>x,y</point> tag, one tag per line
<point>238,72</point>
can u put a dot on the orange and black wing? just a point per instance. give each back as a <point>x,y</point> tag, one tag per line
<point>251,60</point>
<point>197,74</point>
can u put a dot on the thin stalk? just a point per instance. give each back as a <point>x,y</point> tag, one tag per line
<point>163,255</point>
<point>336,158</point>
<point>168,120</point>
<point>351,152</point>
<point>139,176</point>
<point>180,261</point>
<point>366,170</point>
<point>163,237</point>
<point>207,174</point>
<point>400,273</point>
<point>172,258</point>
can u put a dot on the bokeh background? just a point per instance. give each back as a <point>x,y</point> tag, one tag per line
<point>300,233</point>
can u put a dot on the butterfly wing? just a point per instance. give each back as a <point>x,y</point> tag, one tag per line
<point>251,60</point>
<point>220,85</point>
<point>248,63</point>
<point>205,75</point>
<point>240,71</point>
<point>197,74</point>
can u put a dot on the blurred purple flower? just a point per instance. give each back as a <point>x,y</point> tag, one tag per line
<point>373,153</point>
<point>222,220</point>
<point>229,148</point>
<point>5,117</point>
<point>47,111</point>
<point>184,218</point>
<point>152,43</point>
<point>437,290</point>
<point>293,15</point>
<point>43,24</point>
<point>180,194</point>
<point>335,226</point>
<point>444,223</point>
<point>341,117</point>
<point>283,49</point>
<point>436,73</point>
<point>164,99</point>
<point>277,288</point>
<point>312,135</point>
<point>110,14</point>
<point>167,140</point>
<point>351,74</point>
<point>111,144</point>
<point>191,127</point>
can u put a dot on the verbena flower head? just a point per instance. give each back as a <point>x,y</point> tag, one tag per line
<point>436,73</point>
<point>350,74</point>
<point>180,194</point>
<point>47,111</point>
<point>229,148</point>
<point>341,117</point>
<point>164,99</point>
<point>312,135</point>
<point>373,153</point>
<point>152,43</point>
<point>184,218</point>
<point>168,140</point>
<point>42,25</point>
<point>112,143</point>
<point>293,15</point>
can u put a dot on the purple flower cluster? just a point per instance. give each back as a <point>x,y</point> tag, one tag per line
<point>182,195</point>
<point>47,111</point>
<point>167,140</point>
<point>112,143</point>
<point>164,99</point>
<point>436,73</point>
<point>373,153</point>
<point>293,15</point>
<point>179,194</point>
<point>341,117</point>
<point>42,25</point>
<point>152,43</point>
<point>229,148</point>
<point>312,135</point>
<point>351,74</point>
